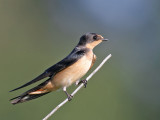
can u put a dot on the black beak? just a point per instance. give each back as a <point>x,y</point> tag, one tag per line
<point>104,39</point>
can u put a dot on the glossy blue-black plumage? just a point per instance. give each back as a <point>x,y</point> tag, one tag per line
<point>74,56</point>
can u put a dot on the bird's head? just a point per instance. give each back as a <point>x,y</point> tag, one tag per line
<point>90,40</point>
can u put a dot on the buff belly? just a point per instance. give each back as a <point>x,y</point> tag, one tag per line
<point>73,73</point>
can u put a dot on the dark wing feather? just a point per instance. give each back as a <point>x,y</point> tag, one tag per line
<point>74,56</point>
<point>69,60</point>
<point>40,77</point>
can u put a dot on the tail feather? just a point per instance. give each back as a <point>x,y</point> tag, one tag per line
<point>28,97</point>
<point>31,94</point>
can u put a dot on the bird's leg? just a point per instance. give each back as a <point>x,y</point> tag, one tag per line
<point>68,95</point>
<point>77,82</point>
<point>84,82</point>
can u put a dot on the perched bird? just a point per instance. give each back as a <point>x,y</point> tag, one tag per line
<point>66,72</point>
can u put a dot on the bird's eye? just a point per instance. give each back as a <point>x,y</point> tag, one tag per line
<point>94,37</point>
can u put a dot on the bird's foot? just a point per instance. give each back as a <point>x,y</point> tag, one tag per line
<point>84,82</point>
<point>70,97</point>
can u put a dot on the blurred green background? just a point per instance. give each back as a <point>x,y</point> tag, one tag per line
<point>35,34</point>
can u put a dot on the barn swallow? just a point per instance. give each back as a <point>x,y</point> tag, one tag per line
<point>66,72</point>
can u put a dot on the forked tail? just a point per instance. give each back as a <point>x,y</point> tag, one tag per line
<point>33,93</point>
